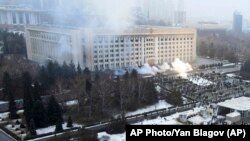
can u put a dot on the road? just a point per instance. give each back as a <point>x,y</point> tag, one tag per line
<point>4,137</point>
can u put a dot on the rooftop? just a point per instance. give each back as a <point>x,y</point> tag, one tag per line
<point>19,8</point>
<point>133,30</point>
<point>233,114</point>
<point>240,104</point>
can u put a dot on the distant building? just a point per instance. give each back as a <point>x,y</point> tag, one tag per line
<point>100,49</point>
<point>234,106</point>
<point>212,26</point>
<point>17,17</point>
<point>180,15</point>
<point>159,10</point>
<point>180,18</point>
<point>35,4</point>
<point>237,22</point>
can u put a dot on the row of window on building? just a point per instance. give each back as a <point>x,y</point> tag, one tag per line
<point>53,37</point>
<point>104,39</point>
<point>21,18</point>
<point>111,64</point>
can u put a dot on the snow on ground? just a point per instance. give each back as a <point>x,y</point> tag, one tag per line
<point>231,75</point>
<point>160,121</point>
<point>5,115</point>
<point>198,120</point>
<point>229,65</point>
<point>52,129</point>
<point>200,81</point>
<point>160,105</point>
<point>185,100</point>
<point>3,102</point>
<point>71,103</point>
<point>233,114</point>
<point>103,136</point>
<point>246,81</point>
<point>240,103</point>
<point>158,89</point>
<point>168,120</point>
<point>20,111</point>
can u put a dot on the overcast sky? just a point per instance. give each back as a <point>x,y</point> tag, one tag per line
<point>216,9</point>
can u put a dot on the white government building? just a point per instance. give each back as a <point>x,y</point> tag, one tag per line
<point>14,16</point>
<point>106,49</point>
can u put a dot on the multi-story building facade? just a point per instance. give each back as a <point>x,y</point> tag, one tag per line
<point>237,22</point>
<point>106,49</point>
<point>17,17</point>
<point>180,18</point>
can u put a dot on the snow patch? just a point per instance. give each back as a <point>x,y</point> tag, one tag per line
<point>104,136</point>
<point>168,120</point>
<point>229,65</point>
<point>198,120</point>
<point>240,103</point>
<point>159,105</point>
<point>72,102</point>
<point>231,75</point>
<point>158,89</point>
<point>51,129</point>
<point>4,102</point>
<point>200,81</point>
<point>6,114</point>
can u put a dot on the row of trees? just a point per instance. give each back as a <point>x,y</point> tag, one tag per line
<point>34,109</point>
<point>246,66</point>
<point>220,51</point>
<point>98,97</point>
<point>104,95</point>
<point>174,98</point>
<point>14,43</point>
<point>211,66</point>
<point>36,115</point>
<point>101,94</point>
<point>54,72</point>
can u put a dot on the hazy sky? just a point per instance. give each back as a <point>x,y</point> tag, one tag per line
<point>216,9</point>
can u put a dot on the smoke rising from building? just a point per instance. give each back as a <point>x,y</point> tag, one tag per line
<point>117,14</point>
<point>178,66</point>
<point>112,14</point>
<point>181,68</point>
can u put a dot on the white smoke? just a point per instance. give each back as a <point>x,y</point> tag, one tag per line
<point>64,53</point>
<point>146,69</point>
<point>164,67</point>
<point>118,14</point>
<point>181,68</point>
<point>155,69</point>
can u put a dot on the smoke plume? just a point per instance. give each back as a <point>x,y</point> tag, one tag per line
<point>118,14</point>
<point>181,68</point>
<point>178,66</point>
<point>147,69</point>
<point>164,67</point>
<point>111,14</point>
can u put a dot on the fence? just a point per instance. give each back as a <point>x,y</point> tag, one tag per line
<point>139,117</point>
